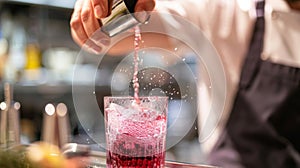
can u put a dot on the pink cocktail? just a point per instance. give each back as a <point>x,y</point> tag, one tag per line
<point>135,132</point>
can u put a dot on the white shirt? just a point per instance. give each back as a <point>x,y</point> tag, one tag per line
<point>229,25</point>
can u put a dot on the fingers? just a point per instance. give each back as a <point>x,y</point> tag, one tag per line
<point>85,21</point>
<point>77,29</point>
<point>101,8</point>
<point>91,25</point>
<point>89,21</point>
<point>144,5</point>
<point>142,10</point>
<point>83,25</point>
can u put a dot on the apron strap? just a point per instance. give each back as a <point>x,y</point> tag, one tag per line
<point>253,60</point>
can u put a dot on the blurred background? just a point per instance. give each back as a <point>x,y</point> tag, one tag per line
<point>37,56</point>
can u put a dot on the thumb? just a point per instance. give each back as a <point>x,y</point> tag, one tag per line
<point>144,5</point>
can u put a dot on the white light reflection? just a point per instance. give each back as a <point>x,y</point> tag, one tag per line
<point>2,105</point>
<point>50,109</point>
<point>61,109</point>
<point>17,105</point>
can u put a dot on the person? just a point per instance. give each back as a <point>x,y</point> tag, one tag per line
<point>257,41</point>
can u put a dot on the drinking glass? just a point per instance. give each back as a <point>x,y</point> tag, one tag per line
<point>135,131</point>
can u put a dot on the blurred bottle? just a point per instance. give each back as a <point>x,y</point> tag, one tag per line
<point>33,69</point>
<point>3,43</point>
<point>3,54</point>
<point>33,62</point>
<point>16,59</point>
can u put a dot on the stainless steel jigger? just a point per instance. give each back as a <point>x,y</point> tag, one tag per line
<point>122,17</point>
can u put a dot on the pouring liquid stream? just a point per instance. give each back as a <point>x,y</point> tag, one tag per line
<point>137,41</point>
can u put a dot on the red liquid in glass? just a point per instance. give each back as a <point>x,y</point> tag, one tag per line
<point>138,144</point>
<point>116,160</point>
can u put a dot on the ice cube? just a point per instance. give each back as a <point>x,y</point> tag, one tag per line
<point>122,112</point>
<point>113,115</point>
<point>135,120</point>
<point>113,107</point>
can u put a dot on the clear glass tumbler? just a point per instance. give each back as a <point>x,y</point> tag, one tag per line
<point>136,132</point>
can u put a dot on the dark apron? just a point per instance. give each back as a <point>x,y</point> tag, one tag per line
<point>263,129</point>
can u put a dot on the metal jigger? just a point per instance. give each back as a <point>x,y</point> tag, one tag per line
<point>10,124</point>
<point>122,17</point>
<point>56,129</point>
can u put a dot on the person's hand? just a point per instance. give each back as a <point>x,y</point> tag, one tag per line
<point>86,17</point>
